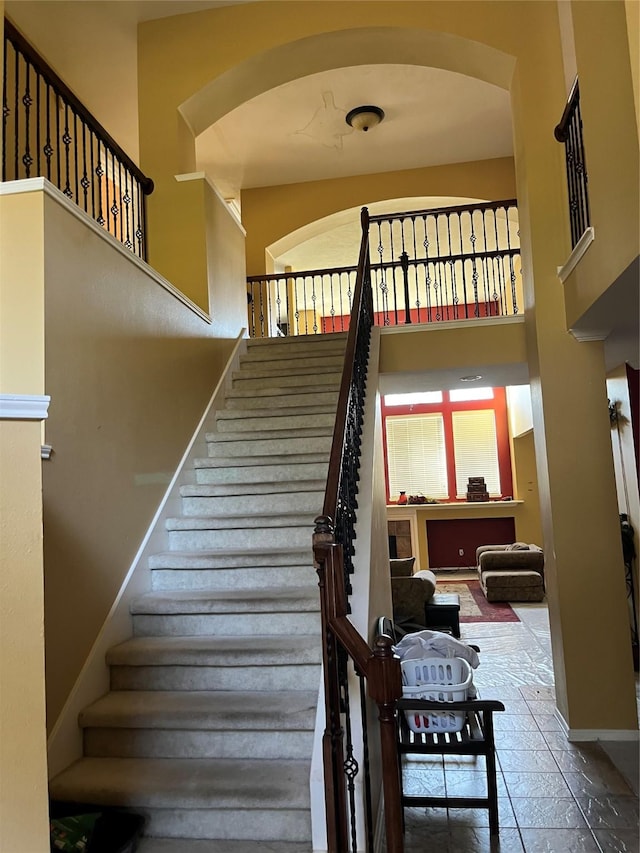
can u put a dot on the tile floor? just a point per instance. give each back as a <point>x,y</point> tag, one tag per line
<point>555,796</point>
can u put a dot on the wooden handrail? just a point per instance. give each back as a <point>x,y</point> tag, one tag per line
<point>414,214</point>
<point>561,130</point>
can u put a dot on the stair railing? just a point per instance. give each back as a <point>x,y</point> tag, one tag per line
<point>48,132</point>
<point>569,131</point>
<point>346,655</point>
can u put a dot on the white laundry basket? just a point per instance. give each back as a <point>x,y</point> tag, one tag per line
<point>438,680</point>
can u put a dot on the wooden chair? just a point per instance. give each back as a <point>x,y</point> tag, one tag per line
<point>475,738</point>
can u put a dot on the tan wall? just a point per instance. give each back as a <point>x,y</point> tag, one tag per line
<point>525,477</point>
<point>130,369</point>
<point>270,213</point>
<point>611,150</point>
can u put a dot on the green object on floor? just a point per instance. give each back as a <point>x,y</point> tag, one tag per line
<point>72,834</point>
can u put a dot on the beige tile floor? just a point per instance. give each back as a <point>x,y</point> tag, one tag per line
<point>554,796</point>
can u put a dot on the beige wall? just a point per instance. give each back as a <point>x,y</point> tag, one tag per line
<point>270,213</point>
<point>130,369</point>
<point>525,478</point>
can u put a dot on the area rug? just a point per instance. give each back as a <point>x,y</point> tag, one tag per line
<point>474,607</point>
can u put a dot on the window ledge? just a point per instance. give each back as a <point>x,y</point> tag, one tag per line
<point>578,253</point>
<point>453,505</point>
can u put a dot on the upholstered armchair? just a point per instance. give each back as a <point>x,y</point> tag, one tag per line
<point>512,572</point>
<point>410,592</point>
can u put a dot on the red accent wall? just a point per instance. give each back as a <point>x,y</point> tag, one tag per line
<point>446,537</point>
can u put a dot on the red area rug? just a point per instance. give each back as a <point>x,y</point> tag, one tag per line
<point>474,607</point>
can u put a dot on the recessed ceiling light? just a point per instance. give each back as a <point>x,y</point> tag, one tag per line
<point>470,378</point>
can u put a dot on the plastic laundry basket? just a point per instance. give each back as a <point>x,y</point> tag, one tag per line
<point>438,680</point>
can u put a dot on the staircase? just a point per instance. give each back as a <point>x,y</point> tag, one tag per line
<point>208,728</point>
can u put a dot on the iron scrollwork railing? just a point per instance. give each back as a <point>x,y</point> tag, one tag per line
<point>346,655</point>
<point>426,266</point>
<point>569,131</point>
<point>48,132</point>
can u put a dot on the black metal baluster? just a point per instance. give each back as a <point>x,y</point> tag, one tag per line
<point>262,285</point>
<point>120,200</point>
<point>48,149</point>
<point>368,800</point>
<point>58,141</point>
<point>332,309</point>
<point>5,110</point>
<point>16,121</point>
<point>84,181</point>
<point>67,143</point>
<point>38,153</point>
<point>93,183</point>
<point>27,159</point>
<point>100,173</point>
<point>75,152</point>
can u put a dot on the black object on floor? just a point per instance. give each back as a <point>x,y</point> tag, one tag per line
<point>115,831</point>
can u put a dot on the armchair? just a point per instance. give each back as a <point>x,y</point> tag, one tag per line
<point>512,572</point>
<point>410,592</point>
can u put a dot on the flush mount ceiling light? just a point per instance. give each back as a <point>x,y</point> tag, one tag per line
<point>362,118</point>
<point>470,378</point>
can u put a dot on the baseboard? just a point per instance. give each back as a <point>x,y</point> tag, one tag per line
<point>592,735</point>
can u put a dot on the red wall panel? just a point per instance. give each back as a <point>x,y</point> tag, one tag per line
<point>446,538</point>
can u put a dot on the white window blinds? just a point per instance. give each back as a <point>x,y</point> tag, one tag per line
<point>476,450</point>
<point>416,455</point>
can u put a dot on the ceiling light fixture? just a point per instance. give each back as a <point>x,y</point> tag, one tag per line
<point>470,378</point>
<point>362,118</point>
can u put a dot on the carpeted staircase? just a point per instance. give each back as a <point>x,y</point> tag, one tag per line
<point>208,727</point>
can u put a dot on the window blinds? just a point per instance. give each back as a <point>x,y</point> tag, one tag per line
<point>416,455</point>
<point>476,449</point>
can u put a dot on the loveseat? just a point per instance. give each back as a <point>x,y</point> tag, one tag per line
<point>513,572</point>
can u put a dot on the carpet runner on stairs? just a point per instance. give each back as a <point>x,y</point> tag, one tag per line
<point>208,728</point>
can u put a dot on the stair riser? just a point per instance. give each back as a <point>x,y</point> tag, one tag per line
<point>313,361</point>
<point>236,578</point>
<point>181,743</point>
<point>239,488</point>
<point>279,471</point>
<point>283,502</point>
<point>277,422</point>
<point>326,380</point>
<point>244,559</point>
<point>275,411</point>
<point>273,537</point>
<point>300,345</point>
<point>226,624</point>
<point>255,824</point>
<point>294,401</point>
<point>286,677</point>
<point>270,447</point>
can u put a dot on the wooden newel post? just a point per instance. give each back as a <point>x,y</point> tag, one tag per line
<point>385,688</point>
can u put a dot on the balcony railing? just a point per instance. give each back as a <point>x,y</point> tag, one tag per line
<point>569,131</point>
<point>48,132</point>
<point>427,266</point>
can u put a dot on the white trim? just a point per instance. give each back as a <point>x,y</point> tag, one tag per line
<point>202,176</point>
<point>24,407</point>
<point>45,451</point>
<point>43,185</point>
<point>588,236</point>
<point>453,324</point>
<point>588,336</point>
<point>591,735</point>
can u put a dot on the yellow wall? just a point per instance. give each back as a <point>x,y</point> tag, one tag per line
<point>525,478</point>
<point>270,213</point>
<point>610,132</point>
<point>23,750</point>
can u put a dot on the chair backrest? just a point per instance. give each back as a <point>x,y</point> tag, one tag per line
<point>401,567</point>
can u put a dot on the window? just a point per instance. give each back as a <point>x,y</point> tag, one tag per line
<point>433,446</point>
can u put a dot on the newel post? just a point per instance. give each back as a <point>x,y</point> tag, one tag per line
<point>385,688</point>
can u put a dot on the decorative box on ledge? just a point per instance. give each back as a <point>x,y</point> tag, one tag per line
<point>476,490</point>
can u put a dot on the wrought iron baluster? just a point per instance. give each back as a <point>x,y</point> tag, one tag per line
<point>16,120</point>
<point>75,152</point>
<point>93,183</point>
<point>38,113</point>
<point>67,140</point>
<point>100,173</point>
<point>58,141</point>
<point>27,159</point>
<point>84,180</point>
<point>5,111</point>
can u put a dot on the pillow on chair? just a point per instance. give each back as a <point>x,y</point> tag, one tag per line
<point>517,546</point>
<point>402,567</point>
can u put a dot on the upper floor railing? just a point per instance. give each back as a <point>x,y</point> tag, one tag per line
<point>569,131</point>
<point>48,132</point>
<point>427,266</point>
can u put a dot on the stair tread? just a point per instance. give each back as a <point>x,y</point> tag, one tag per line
<point>218,650</point>
<point>213,710</point>
<point>301,458</point>
<point>275,600</point>
<point>198,783</point>
<point>240,489</point>
<point>272,434</point>
<point>277,519</point>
